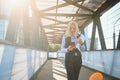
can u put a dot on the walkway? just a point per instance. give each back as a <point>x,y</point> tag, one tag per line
<point>55,70</point>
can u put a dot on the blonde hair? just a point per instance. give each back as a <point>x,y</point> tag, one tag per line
<point>68,33</point>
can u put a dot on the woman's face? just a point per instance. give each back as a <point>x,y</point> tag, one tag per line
<point>72,29</point>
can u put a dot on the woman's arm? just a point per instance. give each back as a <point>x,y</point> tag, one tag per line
<point>63,49</point>
<point>81,41</point>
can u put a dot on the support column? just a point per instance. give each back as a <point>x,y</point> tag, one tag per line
<point>93,35</point>
<point>26,24</point>
<point>101,36</point>
<point>35,32</point>
<point>118,43</point>
<point>13,26</point>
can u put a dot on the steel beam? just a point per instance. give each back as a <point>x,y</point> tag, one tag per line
<point>101,36</point>
<point>93,35</point>
<point>54,24</point>
<point>106,6</point>
<point>53,19</point>
<point>79,6</point>
<point>14,24</point>
<point>65,15</point>
<point>54,7</point>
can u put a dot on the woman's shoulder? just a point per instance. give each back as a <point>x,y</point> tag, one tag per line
<point>82,35</point>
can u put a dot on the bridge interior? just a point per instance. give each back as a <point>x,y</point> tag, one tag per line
<point>56,71</point>
<point>28,27</point>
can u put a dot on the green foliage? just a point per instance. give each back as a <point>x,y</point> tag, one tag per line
<point>54,47</point>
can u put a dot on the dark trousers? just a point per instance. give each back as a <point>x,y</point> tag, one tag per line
<point>73,64</point>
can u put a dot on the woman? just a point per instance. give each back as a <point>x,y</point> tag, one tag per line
<point>72,44</point>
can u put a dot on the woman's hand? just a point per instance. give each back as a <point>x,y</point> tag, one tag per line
<point>71,48</point>
<point>80,41</point>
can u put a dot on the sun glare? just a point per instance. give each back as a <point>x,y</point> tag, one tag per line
<point>18,2</point>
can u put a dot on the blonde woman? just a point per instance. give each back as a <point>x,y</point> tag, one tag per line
<point>72,44</point>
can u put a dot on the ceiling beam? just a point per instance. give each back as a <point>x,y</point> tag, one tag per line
<point>60,26</point>
<point>54,7</point>
<point>66,15</point>
<point>53,32</point>
<point>55,27</point>
<point>85,23</point>
<point>84,18</point>
<point>106,6</point>
<point>55,24</point>
<point>52,19</point>
<point>34,8</point>
<point>56,10</point>
<point>52,27</point>
<point>79,6</point>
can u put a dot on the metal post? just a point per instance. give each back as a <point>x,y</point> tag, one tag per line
<point>114,41</point>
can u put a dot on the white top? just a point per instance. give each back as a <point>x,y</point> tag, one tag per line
<point>73,39</point>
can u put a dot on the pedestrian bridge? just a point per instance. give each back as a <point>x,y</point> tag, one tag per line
<point>30,29</point>
<point>24,63</point>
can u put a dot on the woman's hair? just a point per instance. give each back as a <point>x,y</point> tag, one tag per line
<point>68,33</point>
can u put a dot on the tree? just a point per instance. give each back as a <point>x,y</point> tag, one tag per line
<point>54,47</point>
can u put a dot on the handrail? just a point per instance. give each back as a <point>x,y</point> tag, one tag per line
<point>4,42</point>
